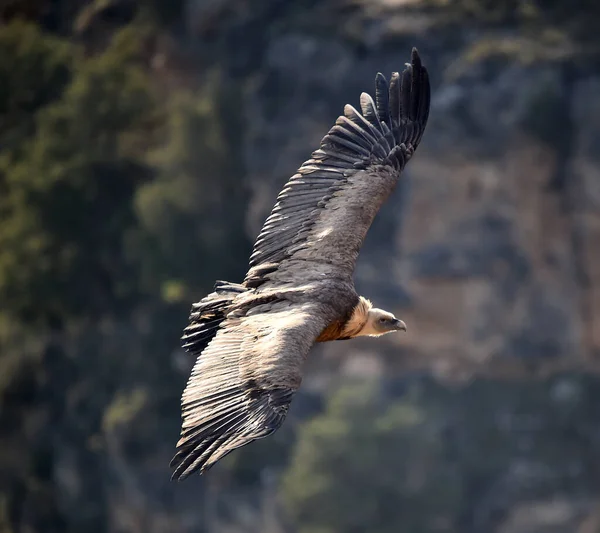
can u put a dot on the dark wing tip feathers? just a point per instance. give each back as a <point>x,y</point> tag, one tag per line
<point>385,131</point>
<point>399,118</point>
<point>415,59</point>
<point>402,106</point>
<point>238,417</point>
<point>415,94</point>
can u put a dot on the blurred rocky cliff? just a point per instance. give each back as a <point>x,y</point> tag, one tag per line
<point>488,248</point>
<point>143,143</point>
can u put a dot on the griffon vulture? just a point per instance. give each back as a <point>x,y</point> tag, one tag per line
<point>251,339</point>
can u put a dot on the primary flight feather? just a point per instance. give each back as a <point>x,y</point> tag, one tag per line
<point>251,339</point>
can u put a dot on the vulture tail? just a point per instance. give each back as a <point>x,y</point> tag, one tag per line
<point>207,315</point>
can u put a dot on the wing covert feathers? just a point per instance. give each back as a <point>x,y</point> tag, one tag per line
<point>207,315</point>
<point>385,132</point>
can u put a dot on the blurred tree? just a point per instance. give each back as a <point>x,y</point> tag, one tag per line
<point>34,69</point>
<point>538,30</point>
<point>97,242</point>
<point>368,466</point>
<point>82,166</point>
<point>68,180</point>
<point>435,459</point>
<point>194,212</point>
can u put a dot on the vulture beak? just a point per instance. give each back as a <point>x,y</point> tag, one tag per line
<point>399,325</point>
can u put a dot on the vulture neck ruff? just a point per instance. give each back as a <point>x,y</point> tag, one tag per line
<point>349,327</point>
<point>356,324</point>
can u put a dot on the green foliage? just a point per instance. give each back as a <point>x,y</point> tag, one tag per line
<point>198,196</point>
<point>123,409</point>
<point>548,31</point>
<point>34,69</point>
<point>368,466</point>
<point>76,170</point>
<point>113,204</point>
<point>5,526</point>
<point>489,11</point>
<point>75,140</point>
<point>533,12</point>
<point>436,459</point>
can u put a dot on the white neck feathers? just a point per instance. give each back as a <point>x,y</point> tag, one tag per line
<point>356,324</point>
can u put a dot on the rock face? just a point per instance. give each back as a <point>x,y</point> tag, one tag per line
<point>488,249</point>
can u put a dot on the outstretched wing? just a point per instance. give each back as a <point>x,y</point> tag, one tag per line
<point>325,210</point>
<point>242,384</point>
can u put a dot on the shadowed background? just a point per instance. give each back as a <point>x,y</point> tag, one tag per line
<point>143,143</point>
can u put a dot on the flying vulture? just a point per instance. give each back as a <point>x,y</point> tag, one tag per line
<point>251,339</point>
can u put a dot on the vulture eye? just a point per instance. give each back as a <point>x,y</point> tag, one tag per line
<point>382,320</point>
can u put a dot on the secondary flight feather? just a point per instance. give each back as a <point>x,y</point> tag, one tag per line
<point>251,339</point>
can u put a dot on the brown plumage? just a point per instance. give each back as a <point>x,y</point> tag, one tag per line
<point>251,339</point>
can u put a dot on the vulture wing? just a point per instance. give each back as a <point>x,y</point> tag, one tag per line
<point>251,360</point>
<point>325,210</point>
<point>242,384</point>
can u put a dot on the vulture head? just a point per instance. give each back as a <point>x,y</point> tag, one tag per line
<point>380,322</point>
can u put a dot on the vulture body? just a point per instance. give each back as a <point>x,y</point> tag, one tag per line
<point>251,339</point>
